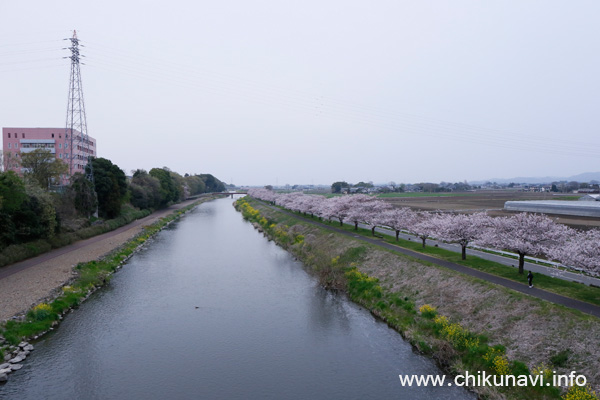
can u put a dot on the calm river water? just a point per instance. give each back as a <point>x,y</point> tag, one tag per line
<point>212,310</point>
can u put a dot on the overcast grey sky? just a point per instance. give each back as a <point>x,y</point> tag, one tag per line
<point>265,92</point>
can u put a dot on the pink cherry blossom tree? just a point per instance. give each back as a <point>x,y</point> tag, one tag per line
<point>399,219</point>
<point>523,233</point>
<point>291,201</point>
<point>340,207</point>
<point>374,213</point>
<point>312,204</point>
<point>360,206</point>
<point>460,228</point>
<point>326,210</point>
<point>263,194</point>
<point>581,250</point>
<point>424,226</point>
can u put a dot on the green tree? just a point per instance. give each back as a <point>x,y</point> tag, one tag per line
<point>42,168</point>
<point>12,195</point>
<point>212,183</point>
<point>195,184</point>
<point>10,160</point>
<point>12,192</point>
<point>145,190</point>
<point>169,192</point>
<point>183,190</point>
<point>36,217</point>
<point>336,187</point>
<point>110,184</point>
<point>81,190</point>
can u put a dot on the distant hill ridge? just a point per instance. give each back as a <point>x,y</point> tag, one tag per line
<point>584,177</point>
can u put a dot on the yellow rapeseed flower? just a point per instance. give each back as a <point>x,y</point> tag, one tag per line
<point>441,320</point>
<point>580,393</point>
<point>501,365</point>
<point>42,307</point>
<point>426,308</point>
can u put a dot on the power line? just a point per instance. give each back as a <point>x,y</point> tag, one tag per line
<point>160,71</point>
<point>427,125</point>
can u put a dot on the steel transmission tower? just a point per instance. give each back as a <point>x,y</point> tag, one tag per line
<point>76,128</point>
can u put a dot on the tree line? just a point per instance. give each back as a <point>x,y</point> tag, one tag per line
<point>30,211</point>
<point>523,233</point>
<point>343,186</point>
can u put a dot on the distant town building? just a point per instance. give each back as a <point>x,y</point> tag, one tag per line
<point>57,140</point>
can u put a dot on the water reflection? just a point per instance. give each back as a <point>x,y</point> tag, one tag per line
<point>213,310</point>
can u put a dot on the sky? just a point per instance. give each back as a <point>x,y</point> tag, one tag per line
<point>312,92</point>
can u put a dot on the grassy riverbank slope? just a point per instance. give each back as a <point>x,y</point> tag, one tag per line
<point>462,322</point>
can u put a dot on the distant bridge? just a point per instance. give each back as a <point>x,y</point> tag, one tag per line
<point>231,193</point>
<point>197,196</point>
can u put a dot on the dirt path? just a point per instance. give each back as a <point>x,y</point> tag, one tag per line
<point>25,283</point>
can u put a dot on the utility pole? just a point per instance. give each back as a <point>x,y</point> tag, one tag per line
<point>76,133</point>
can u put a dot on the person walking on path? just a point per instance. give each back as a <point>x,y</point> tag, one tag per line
<point>530,279</point>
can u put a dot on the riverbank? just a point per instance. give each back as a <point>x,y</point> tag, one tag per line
<point>24,284</point>
<point>63,285</point>
<point>527,334</point>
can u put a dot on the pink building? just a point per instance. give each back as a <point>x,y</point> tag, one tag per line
<point>57,140</point>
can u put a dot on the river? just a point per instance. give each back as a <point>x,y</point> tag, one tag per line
<point>211,309</point>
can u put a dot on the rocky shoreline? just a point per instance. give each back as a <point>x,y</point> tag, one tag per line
<point>16,354</point>
<point>13,360</point>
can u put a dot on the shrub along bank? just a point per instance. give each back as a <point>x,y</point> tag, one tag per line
<point>465,324</point>
<point>91,276</point>
<point>19,252</point>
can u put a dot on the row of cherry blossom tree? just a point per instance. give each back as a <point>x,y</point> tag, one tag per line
<point>524,233</point>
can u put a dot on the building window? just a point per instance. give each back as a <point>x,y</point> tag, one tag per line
<point>23,134</point>
<point>53,135</point>
<point>9,135</point>
<point>16,145</point>
<point>9,145</point>
<point>60,145</point>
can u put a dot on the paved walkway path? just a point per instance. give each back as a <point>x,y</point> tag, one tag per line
<point>517,286</point>
<point>501,259</point>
